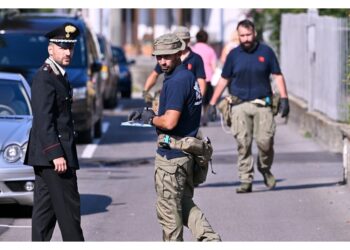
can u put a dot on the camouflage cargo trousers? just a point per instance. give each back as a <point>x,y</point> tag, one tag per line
<point>175,207</point>
<point>249,122</point>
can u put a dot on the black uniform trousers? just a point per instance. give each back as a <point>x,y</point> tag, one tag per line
<point>56,198</point>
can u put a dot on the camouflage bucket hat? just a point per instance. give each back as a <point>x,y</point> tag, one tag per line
<point>182,32</point>
<point>168,44</point>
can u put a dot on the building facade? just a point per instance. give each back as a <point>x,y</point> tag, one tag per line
<point>135,29</point>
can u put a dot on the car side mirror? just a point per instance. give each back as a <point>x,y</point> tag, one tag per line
<point>96,66</point>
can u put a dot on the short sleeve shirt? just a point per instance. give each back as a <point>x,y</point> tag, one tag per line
<point>193,62</point>
<point>250,72</point>
<point>180,92</point>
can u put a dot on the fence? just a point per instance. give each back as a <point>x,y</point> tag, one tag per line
<point>314,52</point>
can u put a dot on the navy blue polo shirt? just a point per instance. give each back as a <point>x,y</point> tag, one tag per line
<point>250,72</point>
<point>193,62</point>
<point>180,92</point>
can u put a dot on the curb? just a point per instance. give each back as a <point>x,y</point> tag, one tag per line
<point>316,124</point>
<point>335,136</point>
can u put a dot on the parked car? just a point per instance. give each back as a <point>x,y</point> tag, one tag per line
<point>125,77</point>
<point>110,73</point>
<point>23,49</point>
<point>16,179</point>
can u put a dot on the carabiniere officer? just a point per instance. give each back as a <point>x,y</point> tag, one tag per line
<point>51,147</point>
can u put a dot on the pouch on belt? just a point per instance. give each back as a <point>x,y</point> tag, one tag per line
<point>225,106</point>
<point>200,148</point>
<point>275,103</point>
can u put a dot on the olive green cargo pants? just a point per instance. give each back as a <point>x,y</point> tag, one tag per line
<point>251,121</point>
<point>175,207</point>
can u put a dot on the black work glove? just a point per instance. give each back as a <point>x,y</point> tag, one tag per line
<point>212,114</point>
<point>284,107</point>
<point>134,116</point>
<point>145,116</point>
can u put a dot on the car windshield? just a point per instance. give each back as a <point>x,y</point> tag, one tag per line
<point>30,50</point>
<point>13,99</point>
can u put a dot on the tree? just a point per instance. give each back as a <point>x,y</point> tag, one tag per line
<point>269,20</point>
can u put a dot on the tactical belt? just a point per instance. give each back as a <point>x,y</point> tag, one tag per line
<point>258,102</point>
<point>186,145</point>
<point>263,102</point>
<point>167,141</point>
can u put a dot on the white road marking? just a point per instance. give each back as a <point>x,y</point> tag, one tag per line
<point>90,148</point>
<point>12,226</point>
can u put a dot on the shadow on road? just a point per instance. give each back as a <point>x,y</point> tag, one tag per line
<point>94,203</point>
<point>15,211</point>
<point>219,184</point>
<point>303,186</point>
<point>279,186</point>
<point>292,157</point>
<point>231,184</point>
<point>90,204</point>
<point>115,162</point>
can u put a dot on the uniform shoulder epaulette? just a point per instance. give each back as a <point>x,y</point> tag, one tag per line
<point>52,67</point>
<point>46,67</point>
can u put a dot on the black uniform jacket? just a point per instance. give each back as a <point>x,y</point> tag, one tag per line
<point>52,133</point>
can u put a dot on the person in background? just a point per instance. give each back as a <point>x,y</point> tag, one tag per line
<point>209,57</point>
<point>191,60</point>
<point>233,43</point>
<point>250,66</point>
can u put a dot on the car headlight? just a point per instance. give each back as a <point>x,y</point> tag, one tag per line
<point>13,153</point>
<point>104,72</point>
<point>79,93</point>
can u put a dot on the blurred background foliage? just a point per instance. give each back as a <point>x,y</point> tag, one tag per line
<point>268,21</point>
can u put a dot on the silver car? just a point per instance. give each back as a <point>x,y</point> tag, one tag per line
<point>16,179</point>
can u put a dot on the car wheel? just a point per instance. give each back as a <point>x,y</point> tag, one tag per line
<point>111,103</point>
<point>126,93</point>
<point>86,136</point>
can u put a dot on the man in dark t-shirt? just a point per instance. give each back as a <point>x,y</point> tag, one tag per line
<point>191,60</point>
<point>180,92</point>
<point>179,116</point>
<point>249,67</point>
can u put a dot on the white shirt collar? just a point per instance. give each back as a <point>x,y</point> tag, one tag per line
<point>58,66</point>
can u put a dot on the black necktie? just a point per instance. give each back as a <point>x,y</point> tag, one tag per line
<point>66,76</point>
<point>70,88</point>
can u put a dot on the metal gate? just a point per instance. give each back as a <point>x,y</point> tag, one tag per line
<point>314,53</point>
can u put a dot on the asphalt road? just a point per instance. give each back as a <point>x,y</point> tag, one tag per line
<point>118,197</point>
